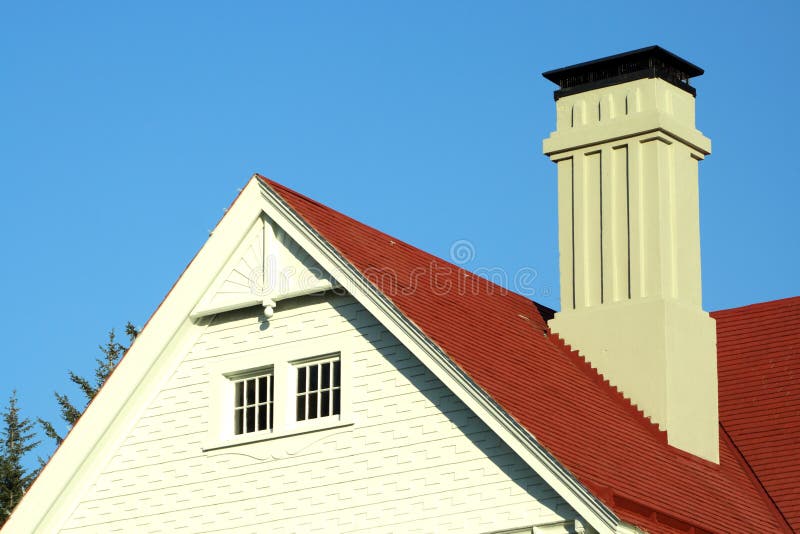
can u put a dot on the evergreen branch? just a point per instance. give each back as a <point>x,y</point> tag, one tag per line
<point>50,431</point>
<point>69,413</point>
<point>88,390</point>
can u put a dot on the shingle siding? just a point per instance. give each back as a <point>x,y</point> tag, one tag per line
<point>415,459</point>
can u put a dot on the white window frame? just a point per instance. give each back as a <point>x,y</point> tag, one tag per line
<point>283,361</point>
<point>306,363</point>
<point>268,404</point>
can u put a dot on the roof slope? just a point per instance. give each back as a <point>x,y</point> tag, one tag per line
<point>758,348</point>
<point>500,340</point>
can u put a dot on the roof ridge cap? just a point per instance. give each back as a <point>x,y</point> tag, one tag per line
<point>614,392</point>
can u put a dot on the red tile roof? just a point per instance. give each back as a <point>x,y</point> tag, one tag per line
<point>758,349</point>
<point>500,340</point>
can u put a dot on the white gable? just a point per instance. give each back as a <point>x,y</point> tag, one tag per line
<point>267,265</point>
<point>150,430</point>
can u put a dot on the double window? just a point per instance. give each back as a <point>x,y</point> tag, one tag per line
<point>263,396</point>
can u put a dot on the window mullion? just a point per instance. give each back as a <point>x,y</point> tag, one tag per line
<point>307,395</point>
<point>319,390</point>
<point>244,408</point>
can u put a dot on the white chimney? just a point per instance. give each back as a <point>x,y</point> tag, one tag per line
<point>627,152</point>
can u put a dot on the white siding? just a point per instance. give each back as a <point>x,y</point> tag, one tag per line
<point>415,459</point>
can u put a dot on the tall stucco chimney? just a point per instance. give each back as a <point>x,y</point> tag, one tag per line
<point>627,152</point>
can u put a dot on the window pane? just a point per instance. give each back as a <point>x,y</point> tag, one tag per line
<point>252,403</point>
<point>326,375</point>
<point>325,403</point>
<point>301,380</point>
<point>316,388</point>
<point>312,379</point>
<point>262,389</point>
<point>250,422</point>
<point>312,405</point>
<point>238,396</point>
<point>250,392</point>
<point>237,421</point>
<point>301,408</point>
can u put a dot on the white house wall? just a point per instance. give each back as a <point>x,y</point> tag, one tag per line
<point>415,459</point>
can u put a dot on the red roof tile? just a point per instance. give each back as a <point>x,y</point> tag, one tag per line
<point>500,340</point>
<point>758,349</point>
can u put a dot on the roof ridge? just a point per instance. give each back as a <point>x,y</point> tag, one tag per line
<point>614,392</point>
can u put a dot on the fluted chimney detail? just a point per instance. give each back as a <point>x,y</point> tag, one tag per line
<point>627,153</point>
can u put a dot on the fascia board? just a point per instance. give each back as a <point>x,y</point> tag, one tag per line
<point>199,312</point>
<point>56,491</point>
<point>509,430</point>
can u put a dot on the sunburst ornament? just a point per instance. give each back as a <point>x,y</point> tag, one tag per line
<point>268,266</point>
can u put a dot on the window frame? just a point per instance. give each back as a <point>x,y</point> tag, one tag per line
<point>307,363</point>
<point>283,362</point>
<point>258,405</point>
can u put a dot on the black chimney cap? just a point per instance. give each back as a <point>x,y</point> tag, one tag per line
<point>650,62</point>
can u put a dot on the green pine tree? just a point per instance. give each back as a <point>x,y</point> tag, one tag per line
<point>17,440</point>
<point>112,353</point>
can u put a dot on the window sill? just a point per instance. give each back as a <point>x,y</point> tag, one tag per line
<point>306,427</point>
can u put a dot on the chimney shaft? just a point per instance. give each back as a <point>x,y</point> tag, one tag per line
<point>627,152</point>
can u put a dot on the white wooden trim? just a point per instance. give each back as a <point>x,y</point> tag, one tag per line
<point>268,277</point>
<point>204,307</point>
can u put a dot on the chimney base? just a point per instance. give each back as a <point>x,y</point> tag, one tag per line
<point>662,355</point>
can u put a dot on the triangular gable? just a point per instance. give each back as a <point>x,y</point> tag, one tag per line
<point>171,330</point>
<point>267,265</point>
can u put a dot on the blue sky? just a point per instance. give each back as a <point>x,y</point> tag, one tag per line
<point>125,130</point>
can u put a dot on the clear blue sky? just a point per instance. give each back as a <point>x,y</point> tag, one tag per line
<point>125,130</point>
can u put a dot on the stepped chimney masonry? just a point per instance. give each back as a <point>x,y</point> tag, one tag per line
<point>627,152</point>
